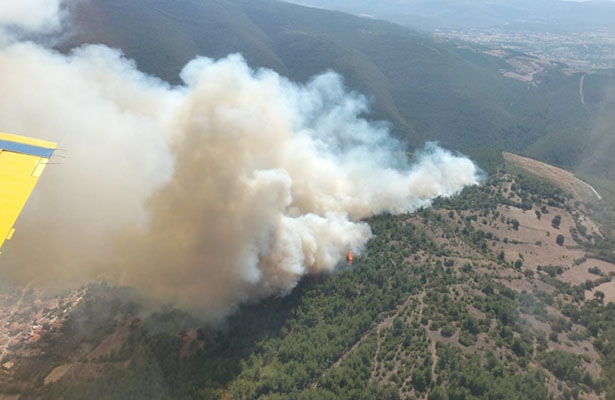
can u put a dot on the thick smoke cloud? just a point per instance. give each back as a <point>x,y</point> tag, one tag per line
<point>31,15</point>
<point>226,189</point>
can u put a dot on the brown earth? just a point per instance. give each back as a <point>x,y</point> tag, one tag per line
<point>561,177</point>
<point>57,373</point>
<point>578,274</point>
<point>110,343</point>
<point>608,288</point>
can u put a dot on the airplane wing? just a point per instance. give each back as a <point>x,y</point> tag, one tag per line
<point>22,161</point>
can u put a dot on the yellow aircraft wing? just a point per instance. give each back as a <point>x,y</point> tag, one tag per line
<point>22,161</point>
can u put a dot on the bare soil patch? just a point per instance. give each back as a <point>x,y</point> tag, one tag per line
<point>565,179</point>
<point>535,238</point>
<point>578,274</point>
<point>110,343</point>
<point>608,288</point>
<point>57,373</point>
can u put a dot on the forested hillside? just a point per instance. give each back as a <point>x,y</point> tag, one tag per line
<point>503,292</point>
<point>428,90</point>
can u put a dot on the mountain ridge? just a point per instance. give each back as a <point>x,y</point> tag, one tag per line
<point>429,90</point>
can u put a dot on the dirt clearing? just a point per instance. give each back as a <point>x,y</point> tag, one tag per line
<point>565,179</point>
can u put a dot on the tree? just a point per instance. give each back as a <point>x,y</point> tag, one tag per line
<point>559,240</point>
<point>594,270</point>
<point>556,221</point>
<point>421,379</point>
<point>599,296</point>
<point>437,394</point>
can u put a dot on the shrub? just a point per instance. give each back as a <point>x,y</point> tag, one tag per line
<point>599,296</point>
<point>467,339</point>
<point>594,270</point>
<point>448,330</point>
<point>557,220</point>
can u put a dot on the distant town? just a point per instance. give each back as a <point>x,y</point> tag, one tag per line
<point>26,317</point>
<point>586,51</point>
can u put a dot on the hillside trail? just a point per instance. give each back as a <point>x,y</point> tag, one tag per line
<point>385,323</point>
<point>432,343</point>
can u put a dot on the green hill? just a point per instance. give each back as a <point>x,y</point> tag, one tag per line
<point>428,90</point>
<point>503,292</point>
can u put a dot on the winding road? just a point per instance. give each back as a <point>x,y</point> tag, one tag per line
<point>581,94</point>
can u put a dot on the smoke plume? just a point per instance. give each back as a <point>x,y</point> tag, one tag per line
<point>226,189</point>
<point>31,15</point>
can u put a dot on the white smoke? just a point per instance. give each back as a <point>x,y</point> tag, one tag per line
<point>226,189</point>
<point>31,15</point>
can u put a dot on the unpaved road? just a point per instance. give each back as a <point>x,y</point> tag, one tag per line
<point>581,94</point>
